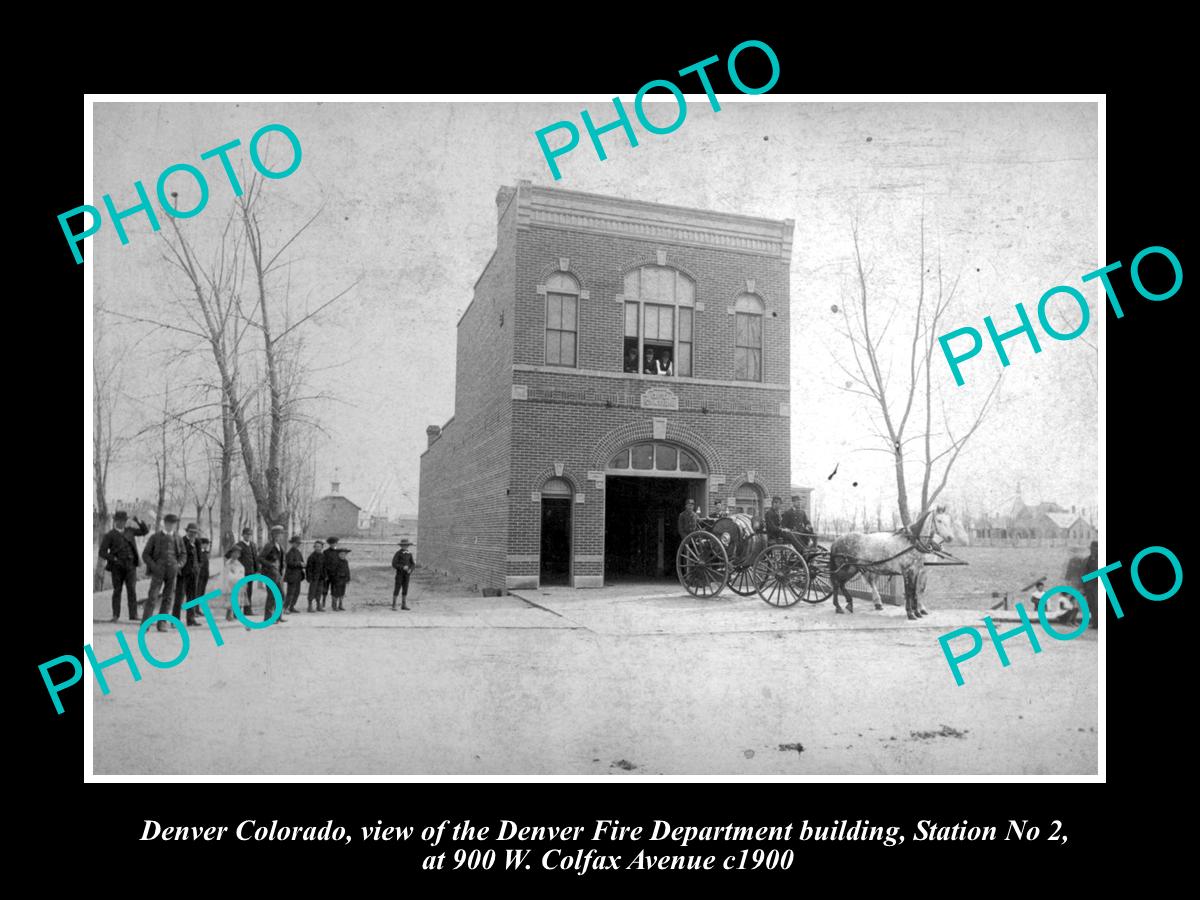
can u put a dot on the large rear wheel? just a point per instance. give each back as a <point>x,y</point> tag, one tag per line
<point>702,565</point>
<point>741,581</point>
<point>820,586</point>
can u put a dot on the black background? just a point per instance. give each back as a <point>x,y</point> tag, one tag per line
<point>1150,464</point>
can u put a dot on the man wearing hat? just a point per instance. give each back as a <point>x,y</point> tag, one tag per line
<point>249,558</point>
<point>163,556</point>
<point>270,562</point>
<point>796,519</point>
<point>341,577</point>
<point>403,563</point>
<point>185,581</point>
<point>314,571</point>
<point>331,564</point>
<point>293,573</point>
<point>118,549</point>
<point>203,546</point>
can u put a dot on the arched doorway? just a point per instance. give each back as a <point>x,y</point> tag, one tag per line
<point>557,497</point>
<point>647,485</point>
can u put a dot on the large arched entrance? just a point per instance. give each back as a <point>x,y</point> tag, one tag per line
<point>647,485</point>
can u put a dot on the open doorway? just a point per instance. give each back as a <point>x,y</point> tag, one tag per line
<point>556,541</point>
<point>640,516</point>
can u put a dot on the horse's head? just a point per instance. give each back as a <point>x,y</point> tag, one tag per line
<point>943,529</point>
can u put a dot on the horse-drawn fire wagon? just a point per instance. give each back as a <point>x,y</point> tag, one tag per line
<point>734,551</point>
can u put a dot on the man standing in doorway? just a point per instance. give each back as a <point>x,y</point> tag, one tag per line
<point>163,556</point>
<point>404,564</point>
<point>249,558</point>
<point>688,520</point>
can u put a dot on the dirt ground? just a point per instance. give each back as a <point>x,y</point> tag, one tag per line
<point>604,682</point>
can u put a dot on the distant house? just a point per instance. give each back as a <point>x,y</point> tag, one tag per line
<point>335,514</point>
<point>1014,520</point>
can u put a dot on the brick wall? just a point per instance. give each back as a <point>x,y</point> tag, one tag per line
<point>463,504</point>
<point>478,519</point>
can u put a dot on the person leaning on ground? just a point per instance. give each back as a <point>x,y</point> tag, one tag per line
<point>314,571</point>
<point>119,552</point>
<point>404,564</point>
<point>331,563</point>
<point>270,562</point>
<point>293,573</point>
<point>688,520</point>
<point>163,556</point>
<point>249,558</point>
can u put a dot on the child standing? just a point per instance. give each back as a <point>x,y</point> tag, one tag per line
<point>404,564</point>
<point>231,574</point>
<point>341,577</point>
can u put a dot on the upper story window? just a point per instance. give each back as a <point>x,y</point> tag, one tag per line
<point>748,343</point>
<point>659,304</point>
<point>562,315</point>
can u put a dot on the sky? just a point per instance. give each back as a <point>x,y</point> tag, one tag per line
<point>406,200</point>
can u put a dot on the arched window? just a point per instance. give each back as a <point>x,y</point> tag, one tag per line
<point>658,321</point>
<point>562,311</point>
<point>557,487</point>
<point>748,500</point>
<point>653,456</point>
<point>748,343</point>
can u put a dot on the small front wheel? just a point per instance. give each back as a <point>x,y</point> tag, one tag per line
<point>781,575</point>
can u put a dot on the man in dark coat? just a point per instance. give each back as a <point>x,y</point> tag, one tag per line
<point>404,564</point>
<point>293,573</point>
<point>249,557</point>
<point>203,546</point>
<point>331,565</point>
<point>796,519</point>
<point>163,556</point>
<point>185,581</point>
<point>688,520</point>
<point>340,578</point>
<point>119,551</point>
<point>314,571</point>
<point>776,532</point>
<point>270,563</point>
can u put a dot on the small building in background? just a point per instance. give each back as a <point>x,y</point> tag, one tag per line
<point>334,514</point>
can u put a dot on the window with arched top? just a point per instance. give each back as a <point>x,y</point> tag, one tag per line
<point>748,341</point>
<point>660,458</point>
<point>659,304</point>
<point>748,500</point>
<point>557,487</point>
<point>562,315</point>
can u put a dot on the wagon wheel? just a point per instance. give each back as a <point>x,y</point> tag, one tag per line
<point>741,581</point>
<point>702,564</point>
<point>781,575</point>
<point>820,587</point>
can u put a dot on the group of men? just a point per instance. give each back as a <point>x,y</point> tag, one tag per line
<point>791,524</point>
<point>179,569</point>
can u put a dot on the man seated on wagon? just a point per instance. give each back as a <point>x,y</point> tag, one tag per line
<point>796,519</point>
<point>776,532</point>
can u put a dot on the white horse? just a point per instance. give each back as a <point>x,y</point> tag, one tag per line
<point>900,552</point>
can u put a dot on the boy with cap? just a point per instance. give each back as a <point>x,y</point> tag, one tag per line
<point>341,577</point>
<point>293,573</point>
<point>403,563</point>
<point>118,549</point>
<point>331,561</point>
<point>270,562</point>
<point>163,555</point>
<point>314,571</point>
<point>203,546</point>
<point>249,559</point>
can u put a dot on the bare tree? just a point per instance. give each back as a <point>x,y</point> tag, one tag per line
<point>915,392</point>
<point>107,442</point>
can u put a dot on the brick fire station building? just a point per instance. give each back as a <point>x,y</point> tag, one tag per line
<point>618,357</point>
